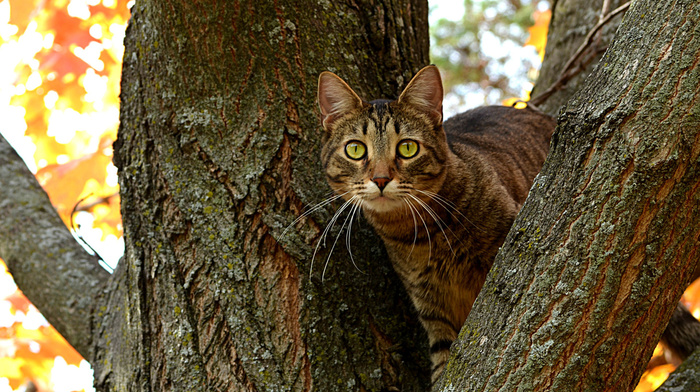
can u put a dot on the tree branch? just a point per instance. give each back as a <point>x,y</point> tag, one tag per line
<point>571,67</point>
<point>685,378</point>
<point>50,267</point>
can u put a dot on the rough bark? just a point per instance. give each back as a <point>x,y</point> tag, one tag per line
<point>53,271</point>
<point>217,155</point>
<point>598,257</point>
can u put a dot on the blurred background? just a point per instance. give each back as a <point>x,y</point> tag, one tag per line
<point>60,67</point>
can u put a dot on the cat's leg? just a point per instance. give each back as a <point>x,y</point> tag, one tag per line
<point>441,333</point>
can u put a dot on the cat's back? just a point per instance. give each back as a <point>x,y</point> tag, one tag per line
<point>514,142</point>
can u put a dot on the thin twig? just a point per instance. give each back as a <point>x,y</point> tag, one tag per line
<point>604,10</point>
<point>589,37</point>
<point>75,209</point>
<point>77,229</point>
<point>96,202</point>
<point>565,74</point>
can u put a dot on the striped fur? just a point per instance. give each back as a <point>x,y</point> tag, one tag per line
<point>444,212</point>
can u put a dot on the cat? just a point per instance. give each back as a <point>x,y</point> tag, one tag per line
<point>442,196</point>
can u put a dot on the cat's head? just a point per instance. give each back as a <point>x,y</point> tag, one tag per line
<point>384,153</point>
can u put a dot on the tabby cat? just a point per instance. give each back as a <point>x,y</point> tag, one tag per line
<point>441,196</point>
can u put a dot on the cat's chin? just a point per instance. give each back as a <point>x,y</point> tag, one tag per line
<point>382,205</point>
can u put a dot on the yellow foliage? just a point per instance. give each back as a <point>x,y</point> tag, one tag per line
<point>538,39</point>
<point>29,353</point>
<point>652,379</point>
<point>64,99</point>
<point>538,31</point>
<point>67,61</point>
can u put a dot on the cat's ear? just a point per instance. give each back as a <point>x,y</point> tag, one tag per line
<point>335,98</point>
<point>424,93</point>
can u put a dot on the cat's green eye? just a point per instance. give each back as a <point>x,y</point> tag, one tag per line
<point>407,148</point>
<point>355,150</point>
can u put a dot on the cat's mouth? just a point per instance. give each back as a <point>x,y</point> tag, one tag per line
<point>383,197</point>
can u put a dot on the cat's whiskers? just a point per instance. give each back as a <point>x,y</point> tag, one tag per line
<point>414,208</point>
<point>356,207</point>
<point>329,226</point>
<point>340,231</point>
<point>415,228</point>
<point>313,209</point>
<point>406,188</point>
<point>448,205</point>
<point>438,221</point>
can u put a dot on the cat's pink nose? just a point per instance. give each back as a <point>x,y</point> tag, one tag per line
<point>381,182</point>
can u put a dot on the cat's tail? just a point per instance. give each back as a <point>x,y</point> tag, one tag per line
<point>682,334</point>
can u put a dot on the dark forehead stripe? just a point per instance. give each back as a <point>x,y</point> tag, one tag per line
<point>380,114</point>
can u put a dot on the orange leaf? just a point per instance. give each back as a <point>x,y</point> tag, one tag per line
<point>11,368</point>
<point>53,344</point>
<point>538,32</point>
<point>21,12</point>
<point>691,297</point>
<point>19,301</point>
<point>110,223</point>
<point>653,378</point>
<point>69,30</point>
<point>65,183</point>
<point>60,60</point>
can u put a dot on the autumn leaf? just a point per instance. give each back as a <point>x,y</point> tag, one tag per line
<point>66,183</point>
<point>29,353</point>
<point>653,378</point>
<point>22,12</point>
<point>12,370</point>
<point>538,31</point>
<point>18,302</point>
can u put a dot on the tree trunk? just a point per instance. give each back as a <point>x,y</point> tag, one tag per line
<point>606,242</point>
<point>218,154</point>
